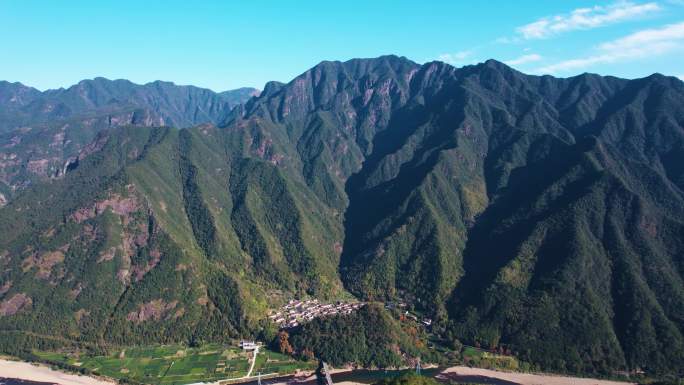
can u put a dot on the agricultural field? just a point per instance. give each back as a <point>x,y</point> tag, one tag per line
<point>483,359</point>
<point>177,365</point>
<point>269,362</point>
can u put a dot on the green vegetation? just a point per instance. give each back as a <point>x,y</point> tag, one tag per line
<point>369,337</point>
<point>408,379</point>
<point>176,364</point>
<point>482,359</point>
<point>270,362</point>
<point>198,214</point>
<point>42,140</point>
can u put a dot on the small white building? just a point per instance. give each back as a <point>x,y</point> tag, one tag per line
<point>248,345</point>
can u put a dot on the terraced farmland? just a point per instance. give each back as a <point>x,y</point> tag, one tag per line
<point>176,364</point>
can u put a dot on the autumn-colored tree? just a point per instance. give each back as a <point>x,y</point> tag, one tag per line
<point>284,343</point>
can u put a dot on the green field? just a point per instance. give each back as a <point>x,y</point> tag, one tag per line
<point>176,364</point>
<point>483,359</point>
<point>270,362</point>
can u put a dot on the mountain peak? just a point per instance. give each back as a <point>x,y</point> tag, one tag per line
<point>360,66</point>
<point>495,63</point>
<point>501,67</point>
<point>16,94</point>
<point>272,87</point>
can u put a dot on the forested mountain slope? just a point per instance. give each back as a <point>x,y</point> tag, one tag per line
<point>42,133</point>
<point>539,213</point>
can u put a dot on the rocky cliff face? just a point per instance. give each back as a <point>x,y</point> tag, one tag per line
<point>535,213</point>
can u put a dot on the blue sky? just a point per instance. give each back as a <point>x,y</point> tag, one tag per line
<point>228,44</point>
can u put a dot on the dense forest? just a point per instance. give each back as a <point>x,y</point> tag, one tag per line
<point>529,213</point>
<point>369,337</point>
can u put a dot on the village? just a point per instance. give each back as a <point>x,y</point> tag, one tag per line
<point>297,312</point>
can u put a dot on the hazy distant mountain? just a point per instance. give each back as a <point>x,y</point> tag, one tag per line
<point>538,213</point>
<point>239,95</point>
<point>171,105</point>
<point>44,131</point>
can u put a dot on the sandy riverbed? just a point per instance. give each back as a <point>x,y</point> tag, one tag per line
<point>524,378</point>
<point>42,373</point>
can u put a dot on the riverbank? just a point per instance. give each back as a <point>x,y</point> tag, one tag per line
<point>342,376</point>
<point>464,373</point>
<point>457,373</point>
<point>41,373</point>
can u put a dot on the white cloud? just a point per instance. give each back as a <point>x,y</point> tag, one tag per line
<point>586,18</point>
<point>668,33</point>
<point>681,77</point>
<point>524,59</point>
<point>507,40</point>
<point>645,43</point>
<point>455,58</point>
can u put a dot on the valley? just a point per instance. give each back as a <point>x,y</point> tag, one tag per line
<point>527,216</point>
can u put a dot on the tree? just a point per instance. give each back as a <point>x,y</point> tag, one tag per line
<point>267,330</point>
<point>284,343</point>
<point>456,344</point>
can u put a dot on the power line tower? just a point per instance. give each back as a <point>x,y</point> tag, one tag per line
<point>259,378</point>
<point>418,367</point>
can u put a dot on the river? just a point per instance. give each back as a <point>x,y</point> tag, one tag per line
<point>365,376</point>
<point>460,374</point>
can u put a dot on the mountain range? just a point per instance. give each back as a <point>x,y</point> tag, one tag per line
<point>43,132</point>
<point>532,212</point>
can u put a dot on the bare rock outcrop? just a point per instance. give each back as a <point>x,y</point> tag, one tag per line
<point>16,303</point>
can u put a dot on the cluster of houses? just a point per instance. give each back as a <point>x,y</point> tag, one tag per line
<point>297,312</point>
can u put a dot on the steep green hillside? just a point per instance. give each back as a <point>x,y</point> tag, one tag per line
<point>136,244</point>
<point>525,210</point>
<point>539,214</point>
